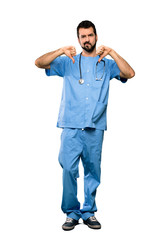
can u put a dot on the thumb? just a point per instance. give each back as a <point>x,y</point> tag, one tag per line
<point>70,56</point>
<point>100,59</point>
<point>101,56</point>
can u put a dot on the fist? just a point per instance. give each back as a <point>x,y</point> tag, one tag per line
<point>102,51</point>
<point>70,51</point>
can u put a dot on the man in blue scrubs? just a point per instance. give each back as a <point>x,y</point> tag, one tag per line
<point>82,116</point>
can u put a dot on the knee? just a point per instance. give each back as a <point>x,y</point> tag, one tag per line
<point>70,171</point>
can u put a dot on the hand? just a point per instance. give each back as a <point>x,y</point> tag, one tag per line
<point>102,51</point>
<point>69,51</point>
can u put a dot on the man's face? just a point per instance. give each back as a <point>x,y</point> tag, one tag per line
<point>87,39</point>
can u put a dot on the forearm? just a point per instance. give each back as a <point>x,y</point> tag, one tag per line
<point>46,59</point>
<point>124,67</point>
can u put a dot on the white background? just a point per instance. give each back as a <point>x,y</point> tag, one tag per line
<point>30,175</point>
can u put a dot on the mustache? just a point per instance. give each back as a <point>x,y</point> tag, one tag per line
<point>87,43</point>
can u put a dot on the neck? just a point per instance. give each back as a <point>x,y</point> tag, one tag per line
<point>87,54</point>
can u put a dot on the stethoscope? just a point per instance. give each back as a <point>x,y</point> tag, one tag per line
<point>81,80</point>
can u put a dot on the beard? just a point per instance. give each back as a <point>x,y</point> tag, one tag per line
<point>89,48</point>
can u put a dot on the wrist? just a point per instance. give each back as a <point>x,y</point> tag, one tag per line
<point>111,52</point>
<point>61,51</point>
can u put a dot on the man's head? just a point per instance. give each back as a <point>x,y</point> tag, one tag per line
<point>87,35</point>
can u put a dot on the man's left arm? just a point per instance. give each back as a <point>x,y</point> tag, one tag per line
<point>125,69</point>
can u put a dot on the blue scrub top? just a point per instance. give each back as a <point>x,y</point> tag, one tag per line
<point>84,105</point>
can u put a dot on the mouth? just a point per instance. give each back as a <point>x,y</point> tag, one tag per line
<point>87,44</point>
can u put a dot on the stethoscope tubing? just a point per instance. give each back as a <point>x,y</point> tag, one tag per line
<point>81,81</point>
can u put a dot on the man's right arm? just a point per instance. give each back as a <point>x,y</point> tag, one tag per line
<point>45,60</point>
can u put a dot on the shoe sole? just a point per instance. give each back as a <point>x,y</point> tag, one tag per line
<point>93,226</point>
<point>68,228</point>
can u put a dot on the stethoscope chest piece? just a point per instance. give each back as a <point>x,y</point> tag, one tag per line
<point>81,81</point>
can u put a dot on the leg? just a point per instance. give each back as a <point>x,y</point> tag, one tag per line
<point>69,159</point>
<point>91,158</point>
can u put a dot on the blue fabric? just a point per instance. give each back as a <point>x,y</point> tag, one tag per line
<point>84,105</point>
<point>87,145</point>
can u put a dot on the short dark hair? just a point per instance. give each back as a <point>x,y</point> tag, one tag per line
<point>86,24</point>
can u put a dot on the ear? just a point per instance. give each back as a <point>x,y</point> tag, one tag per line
<point>96,37</point>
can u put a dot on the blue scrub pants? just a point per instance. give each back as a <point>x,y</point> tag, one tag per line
<point>87,145</point>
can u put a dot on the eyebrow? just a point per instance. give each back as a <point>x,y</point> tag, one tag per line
<point>91,34</point>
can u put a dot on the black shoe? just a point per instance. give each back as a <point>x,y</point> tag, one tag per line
<point>69,224</point>
<point>92,223</point>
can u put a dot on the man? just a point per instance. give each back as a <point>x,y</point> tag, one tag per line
<point>82,116</point>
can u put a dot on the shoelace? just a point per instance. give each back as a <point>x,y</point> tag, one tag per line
<point>68,220</point>
<point>93,218</point>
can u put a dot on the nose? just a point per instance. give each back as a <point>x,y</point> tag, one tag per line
<point>87,39</point>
